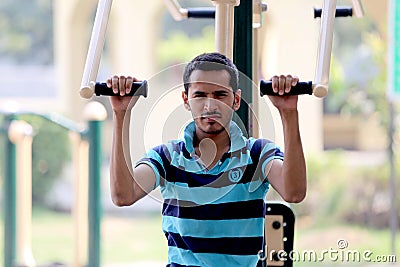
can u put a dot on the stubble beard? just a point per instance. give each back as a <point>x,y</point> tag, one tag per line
<point>216,131</point>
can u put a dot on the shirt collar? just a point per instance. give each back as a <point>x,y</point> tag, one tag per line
<point>236,135</point>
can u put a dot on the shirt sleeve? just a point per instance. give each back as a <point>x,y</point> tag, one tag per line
<point>269,152</point>
<point>153,159</point>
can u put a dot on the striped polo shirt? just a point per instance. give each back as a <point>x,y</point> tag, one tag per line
<point>213,217</point>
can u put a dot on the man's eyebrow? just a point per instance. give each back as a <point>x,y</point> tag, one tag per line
<point>221,91</point>
<point>225,90</point>
<point>199,92</point>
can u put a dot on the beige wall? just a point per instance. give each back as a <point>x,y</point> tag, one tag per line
<point>71,36</point>
<point>377,10</point>
<point>290,45</point>
<point>133,34</point>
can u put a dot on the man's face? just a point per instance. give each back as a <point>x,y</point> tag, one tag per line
<point>211,100</point>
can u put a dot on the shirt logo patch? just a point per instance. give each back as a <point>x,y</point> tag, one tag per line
<point>235,175</point>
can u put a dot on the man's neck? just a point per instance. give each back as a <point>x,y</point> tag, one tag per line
<point>211,147</point>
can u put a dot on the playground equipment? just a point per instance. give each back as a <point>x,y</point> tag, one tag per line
<point>279,228</point>
<point>224,21</point>
<point>248,17</point>
<point>95,48</point>
<point>86,211</point>
<point>224,31</point>
<point>20,133</point>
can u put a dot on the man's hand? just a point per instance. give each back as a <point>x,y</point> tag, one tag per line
<point>283,84</point>
<point>122,85</point>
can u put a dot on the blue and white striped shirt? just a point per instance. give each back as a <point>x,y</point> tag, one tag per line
<point>213,217</point>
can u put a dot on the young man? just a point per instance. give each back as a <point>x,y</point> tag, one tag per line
<point>214,180</point>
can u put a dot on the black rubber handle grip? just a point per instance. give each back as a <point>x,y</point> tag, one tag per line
<point>138,88</point>
<point>340,12</point>
<point>201,12</point>
<point>301,88</point>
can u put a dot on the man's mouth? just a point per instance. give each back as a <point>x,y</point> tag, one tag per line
<point>211,117</point>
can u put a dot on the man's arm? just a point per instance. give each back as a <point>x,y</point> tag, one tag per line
<point>288,177</point>
<point>128,185</point>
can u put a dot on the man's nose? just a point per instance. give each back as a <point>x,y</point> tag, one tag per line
<point>210,104</point>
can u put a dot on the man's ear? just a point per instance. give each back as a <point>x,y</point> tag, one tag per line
<point>185,100</point>
<point>238,97</point>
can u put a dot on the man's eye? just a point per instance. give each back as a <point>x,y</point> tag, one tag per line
<point>220,94</point>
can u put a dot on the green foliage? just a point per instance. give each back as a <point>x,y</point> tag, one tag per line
<point>325,186</point>
<point>358,71</point>
<point>182,40</point>
<point>341,193</point>
<point>50,151</point>
<point>180,48</point>
<point>190,27</point>
<point>26,31</point>
<point>336,84</point>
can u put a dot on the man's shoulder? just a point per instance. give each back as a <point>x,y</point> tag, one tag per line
<point>261,142</point>
<point>261,147</point>
<point>176,145</point>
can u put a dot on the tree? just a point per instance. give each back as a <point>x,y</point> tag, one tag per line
<point>358,73</point>
<point>26,31</point>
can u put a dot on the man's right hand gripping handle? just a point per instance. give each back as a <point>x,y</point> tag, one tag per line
<point>124,91</point>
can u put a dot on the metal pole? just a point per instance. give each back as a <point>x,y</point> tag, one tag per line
<point>95,48</point>
<point>94,211</point>
<point>258,8</point>
<point>255,129</point>
<point>95,113</point>
<point>392,182</point>
<point>80,156</point>
<point>243,57</point>
<point>224,25</point>
<point>322,70</point>
<point>393,223</point>
<point>20,133</point>
<point>10,192</point>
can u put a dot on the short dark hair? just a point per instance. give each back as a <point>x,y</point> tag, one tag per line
<point>208,62</point>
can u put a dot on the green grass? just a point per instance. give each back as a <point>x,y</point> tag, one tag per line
<point>135,239</point>
<point>52,236</point>
<point>124,240</point>
<point>360,239</point>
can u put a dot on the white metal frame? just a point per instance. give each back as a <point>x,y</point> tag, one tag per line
<point>224,28</point>
<point>95,48</point>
